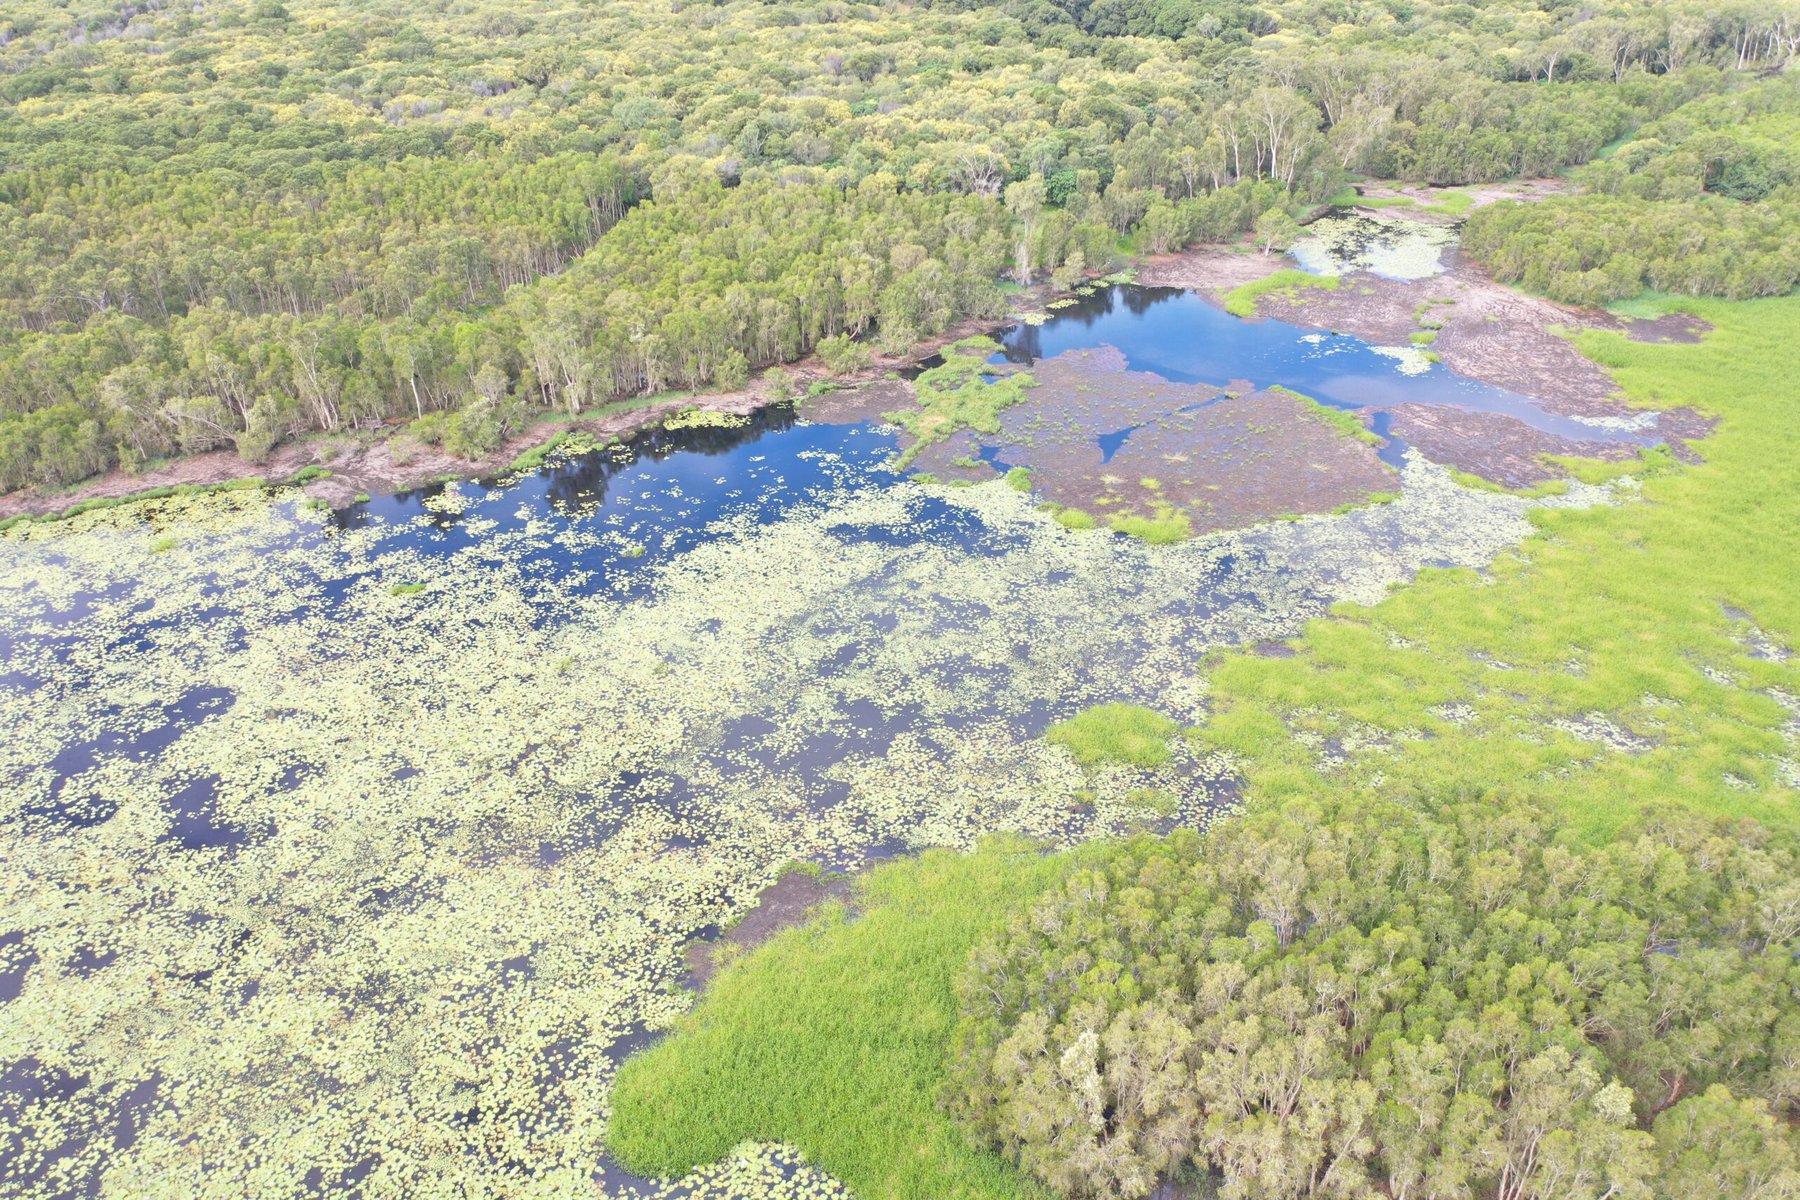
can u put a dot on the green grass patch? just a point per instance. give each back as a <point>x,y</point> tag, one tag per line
<point>1349,198</point>
<point>1451,203</point>
<point>833,1035</point>
<point>1345,423</point>
<point>306,475</point>
<point>164,544</point>
<point>1646,306</point>
<point>1423,337</point>
<point>1073,518</point>
<point>1616,610</point>
<point>405,589</point>
<point>1167,526</point>
<point>954,396</point>
<point>1241,301</point>
<point>1116,733</point>
<point>1019,479</point>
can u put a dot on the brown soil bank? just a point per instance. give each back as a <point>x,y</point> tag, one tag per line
<point>1114,442</point>
<point>367,462</point>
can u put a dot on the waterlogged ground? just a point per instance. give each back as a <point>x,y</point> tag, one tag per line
<point>1152,399</point>
<point>350,851</point>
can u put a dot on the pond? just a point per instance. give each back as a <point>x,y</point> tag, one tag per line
<point>349,851</point>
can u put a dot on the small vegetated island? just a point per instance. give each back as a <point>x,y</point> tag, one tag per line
<point>1134,598</point>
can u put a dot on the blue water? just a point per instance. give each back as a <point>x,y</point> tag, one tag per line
<point>1181,337</point>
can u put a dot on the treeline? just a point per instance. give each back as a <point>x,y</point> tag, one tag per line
<point>231,225</point>
<point>371,239</point>
<point>1379,1000</point>
<point>1704,202</point>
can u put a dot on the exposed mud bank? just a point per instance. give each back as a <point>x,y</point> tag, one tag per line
<point>370,461</point>
<point>1478,328</point>
<point>1115,442</point>
<point>1491,445</point>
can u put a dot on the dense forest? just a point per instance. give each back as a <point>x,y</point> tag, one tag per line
<point>1396,1003</point>
<point>231,224</point>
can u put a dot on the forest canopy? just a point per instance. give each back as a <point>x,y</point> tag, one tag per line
<point>234,224</point>
<point>1395,1001</point>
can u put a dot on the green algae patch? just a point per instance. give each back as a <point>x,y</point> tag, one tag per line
<point>1116,733</point>
<point>832,1036</point>
<point>1241,301</point>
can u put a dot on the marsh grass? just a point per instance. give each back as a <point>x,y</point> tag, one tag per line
<point>1345,423</point>
<point>1241,301</point>
<point>1165,527</point>
<point>1349,198</point>
<point>1634,594</point>
<point>953,396</point>
<point>1073,518</point>
<point>832,1036</point>
<point>1106,734</point>
<point>567,443</point>
<point>405,589</point>
<point>1451,203</point>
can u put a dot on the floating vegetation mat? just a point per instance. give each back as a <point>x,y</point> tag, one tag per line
<point>350,852</point>
<point>1390,247</point>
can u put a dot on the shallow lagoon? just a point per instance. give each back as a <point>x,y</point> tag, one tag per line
<point>315,885</point>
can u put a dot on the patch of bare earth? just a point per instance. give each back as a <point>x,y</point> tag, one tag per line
<point>786,902</point>
<point>1492,445</point>
<point>1485,331</point>
<point>1210,270</point>
<point>870,401</point>
<point>1112,441</point>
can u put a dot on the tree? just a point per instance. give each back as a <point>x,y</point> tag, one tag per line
<point>1276,229</point>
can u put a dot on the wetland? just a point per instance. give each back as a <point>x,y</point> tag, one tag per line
<point>365,842</point>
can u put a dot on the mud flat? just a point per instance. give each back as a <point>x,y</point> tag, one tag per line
<point>1114,442</point>
<point>1478,328</point>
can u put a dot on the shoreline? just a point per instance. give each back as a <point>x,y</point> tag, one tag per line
<point>364,462</point>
